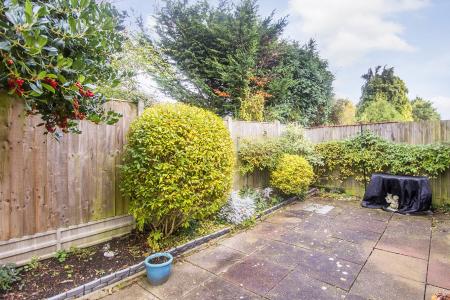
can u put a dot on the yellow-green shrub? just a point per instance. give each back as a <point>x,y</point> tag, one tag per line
<point>292,175</point>
<point>178,167</point>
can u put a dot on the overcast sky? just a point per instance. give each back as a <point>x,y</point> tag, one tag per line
<point>413,36</point>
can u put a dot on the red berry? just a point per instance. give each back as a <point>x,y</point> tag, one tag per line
<point>10,62</point>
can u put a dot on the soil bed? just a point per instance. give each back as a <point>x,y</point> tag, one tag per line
<point>52,277</point>
<point>159,260</point>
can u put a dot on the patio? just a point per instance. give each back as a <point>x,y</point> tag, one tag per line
<point>307,251</point>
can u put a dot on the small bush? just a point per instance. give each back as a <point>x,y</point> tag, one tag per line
<point>178,167</point>
<point>8,275</point>
<point>293,175</point>
<point>368,153</point>
<point>238,208</point>
<point>264,154</point>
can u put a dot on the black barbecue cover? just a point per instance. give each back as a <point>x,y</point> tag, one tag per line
<point>414,193</point>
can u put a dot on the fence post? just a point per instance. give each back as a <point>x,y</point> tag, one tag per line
<point>140,107</point>
<point>229,121</point>
<point>278,127</point>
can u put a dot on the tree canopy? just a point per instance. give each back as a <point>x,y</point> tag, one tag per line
<point>232,61</point>
<point>385,85</point>
<point>423,110</point>
<point>343,112</point>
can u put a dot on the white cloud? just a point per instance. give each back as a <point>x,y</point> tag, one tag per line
<point>442,104</point>
<point>349,29</point>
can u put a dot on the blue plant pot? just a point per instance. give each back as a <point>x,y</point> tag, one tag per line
<point>158,273</point>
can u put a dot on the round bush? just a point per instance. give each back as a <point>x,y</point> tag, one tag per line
<point>178,167</point>
<point>292,175</point>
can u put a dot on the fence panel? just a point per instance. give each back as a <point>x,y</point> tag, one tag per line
<point>47,184</point>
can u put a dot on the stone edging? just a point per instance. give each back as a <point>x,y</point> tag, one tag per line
<point>176,251</point>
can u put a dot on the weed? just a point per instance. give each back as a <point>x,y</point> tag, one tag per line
<point>9,274</point>
<point>33,264</point>
<point>61,255</point>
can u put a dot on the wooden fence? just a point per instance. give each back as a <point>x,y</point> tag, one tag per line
<point>46,184</point>
<point>57,194</point>
<point>409,133</point>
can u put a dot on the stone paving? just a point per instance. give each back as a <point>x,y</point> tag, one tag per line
<point>302,252</point>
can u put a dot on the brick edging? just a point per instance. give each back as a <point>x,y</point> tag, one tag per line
<point>175,251</point>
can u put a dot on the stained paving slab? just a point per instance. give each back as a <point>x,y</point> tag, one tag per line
<point>306,252</point>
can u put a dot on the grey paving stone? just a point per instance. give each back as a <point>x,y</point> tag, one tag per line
<point>326,268</point>
<point>373,284</point>
<point>215,259</point>
<point>218,288</point>
<point>246,242</point>
<point>356,253</point>
<point>133,292</point>
<point>297,285</point>
<point>410,244</point>
<point>284,218</point>
<point>268,230</point>
<point>184,278</point>
<point>399,265</point>
<point>318,239</point>
<point>280,253</point>
<point>359,236</point>
<point>256,275</point>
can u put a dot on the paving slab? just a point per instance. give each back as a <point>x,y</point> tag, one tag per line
<point>184,278</point>
<point>356,253</point>
<point>284,218</point>
<point>365,224</point>
<point>246,242</point>
<point>439,261</point>
<point>369,214</point>
<point>268,230</point>
<point>415,245</point>
<point>256,275</point>
<point>397,264</point>
<point>218,288</point>
<point>215,259</point>
<point>331,270</point>
<point>280,253</point>
<point>297,285</point>
<point>133,292</point>
<point>434,290</point>
<point>318,239</point>
<point>374,284</point>
<point>358,236</point>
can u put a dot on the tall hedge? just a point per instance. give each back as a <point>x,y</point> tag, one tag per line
<point>178,167</point>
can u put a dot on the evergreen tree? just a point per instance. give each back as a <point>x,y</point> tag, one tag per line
<point>232,61</point>
<point>423,110</point>
<point>385,84</point>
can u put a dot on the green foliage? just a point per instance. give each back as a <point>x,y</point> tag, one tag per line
<point>178,167</point>
<point>33,264</point>
<point>343,112</point>
<point>53,52</point>
<point>302,86</point>
<point>380,110</point>
<point>61,255</point>
<point>252,108</point>
<point>423,110</point>
<point>9,274</point>
<point>233,61</point>
<point>292,175</point>
<point>264,154</point>
<point>386,85</point>
<point>370,153</point>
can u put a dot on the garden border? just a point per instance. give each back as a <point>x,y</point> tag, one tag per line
<point>175,251</point>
